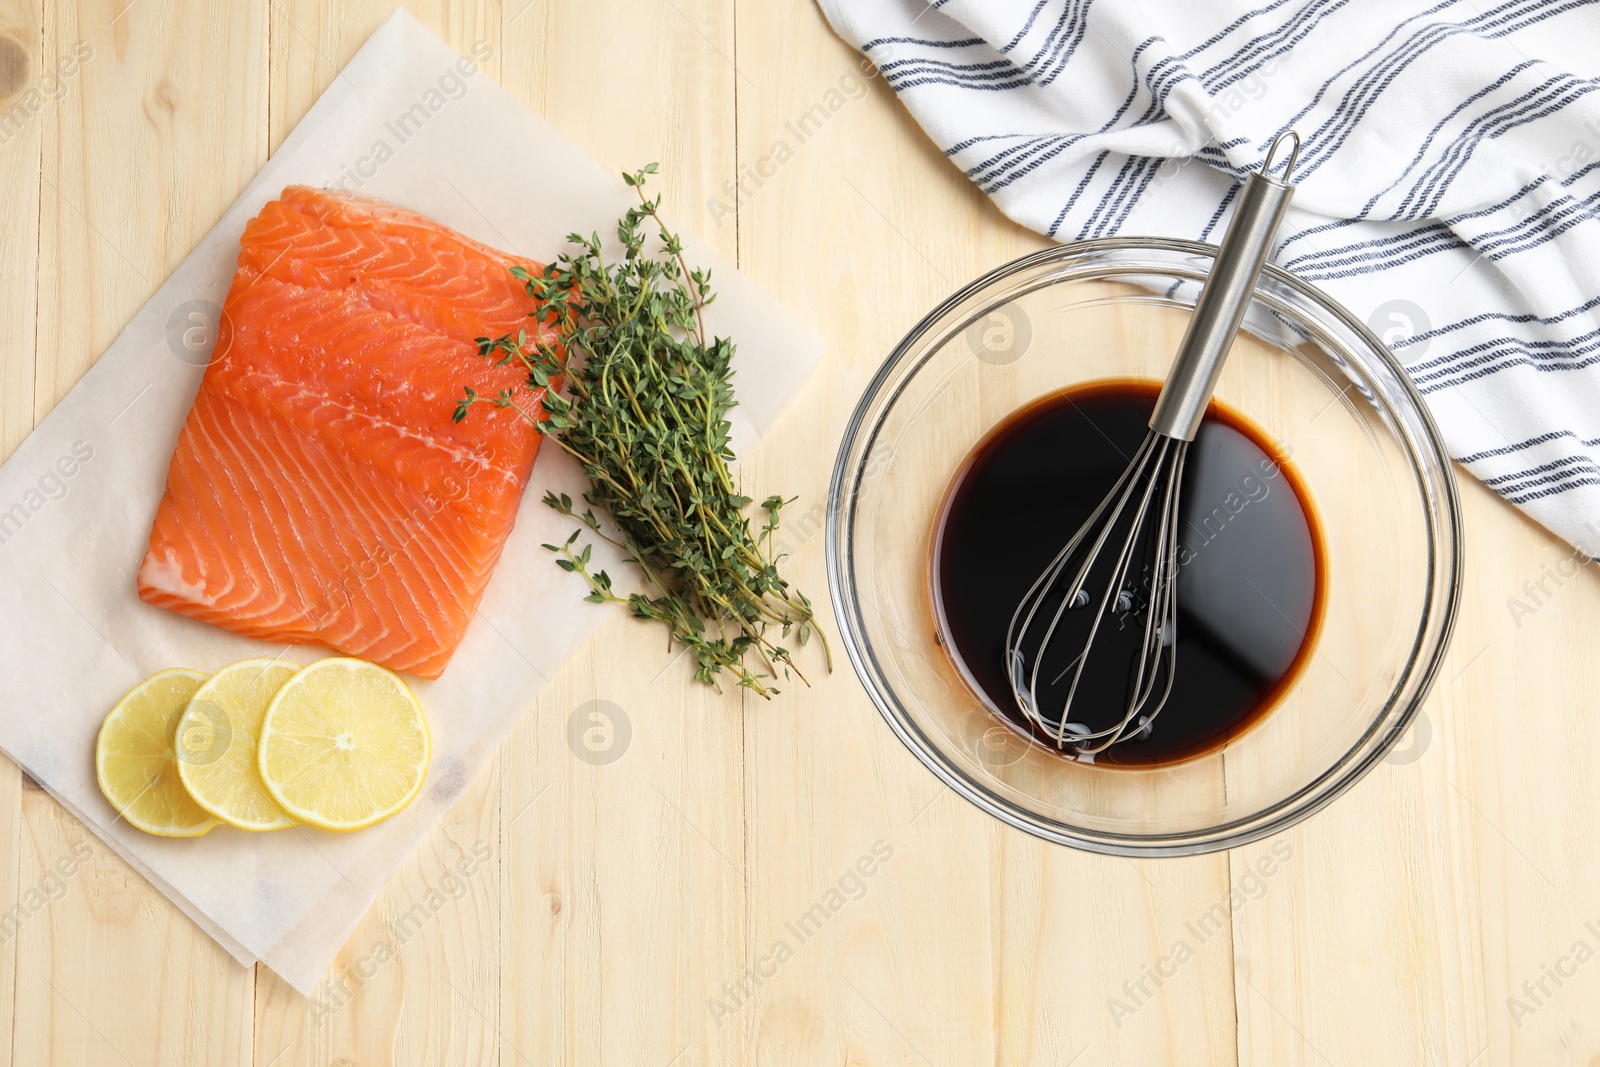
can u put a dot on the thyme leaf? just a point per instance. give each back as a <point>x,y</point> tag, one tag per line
<point>644,410</point>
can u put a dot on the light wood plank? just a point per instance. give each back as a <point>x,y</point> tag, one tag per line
<point>21,65</point>
<point>625,881</point>
<point>161,132</point>
<point>23,103</point>
<point>98,966</point>
<point>152,138</point>
<point>592,861</point>
<point>616,900</point>
<point>975,943</point>
<point>414,980</point>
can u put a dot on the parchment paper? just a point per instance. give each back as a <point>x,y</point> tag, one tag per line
<point>414,123</point>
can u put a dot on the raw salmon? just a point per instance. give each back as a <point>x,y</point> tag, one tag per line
<point>320,491</point>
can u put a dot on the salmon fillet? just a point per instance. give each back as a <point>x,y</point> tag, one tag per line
<point>320,491</point>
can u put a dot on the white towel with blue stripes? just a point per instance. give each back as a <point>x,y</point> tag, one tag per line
<point>1449,188</point>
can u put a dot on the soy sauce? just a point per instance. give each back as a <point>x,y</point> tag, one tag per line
<point>1250,579</point>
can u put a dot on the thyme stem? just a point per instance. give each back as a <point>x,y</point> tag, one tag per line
<point>645,412</point>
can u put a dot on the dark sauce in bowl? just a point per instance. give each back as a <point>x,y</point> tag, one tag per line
<point>1251,577</point>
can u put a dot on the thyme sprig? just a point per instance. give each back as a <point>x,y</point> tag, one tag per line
<point>645,411</point>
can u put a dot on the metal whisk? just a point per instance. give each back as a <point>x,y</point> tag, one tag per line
<point>1149,492</point>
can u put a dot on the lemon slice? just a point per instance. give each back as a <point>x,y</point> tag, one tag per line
<point>136,764</point>
<point>343,745</point>
<point>216,743</point>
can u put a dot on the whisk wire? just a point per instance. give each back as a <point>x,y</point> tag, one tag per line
<point>1158,650</point>
<point>1034,598</point>
<point>1154,474</point>
<point>1115,585</point>
<point>1149,487</point>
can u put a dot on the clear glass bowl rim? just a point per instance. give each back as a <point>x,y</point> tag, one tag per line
<point>1424,449</point>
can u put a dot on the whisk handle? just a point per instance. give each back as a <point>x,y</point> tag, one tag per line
<point>1223,299</point>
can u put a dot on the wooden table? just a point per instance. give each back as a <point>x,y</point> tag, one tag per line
<point>1444,912</point>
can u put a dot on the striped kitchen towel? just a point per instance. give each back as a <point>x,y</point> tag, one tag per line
<point>1449,188</point>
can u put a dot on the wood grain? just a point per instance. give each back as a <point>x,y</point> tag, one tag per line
<point>22,38</point>
<point>137,154</point>
<point>571,909</point>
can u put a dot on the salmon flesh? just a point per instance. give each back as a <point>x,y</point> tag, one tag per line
<point>321,491</point>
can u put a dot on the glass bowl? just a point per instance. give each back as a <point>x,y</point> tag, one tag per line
<point>1305,370</point>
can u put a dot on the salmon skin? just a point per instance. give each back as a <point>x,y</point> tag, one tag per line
<point>321,492</point>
